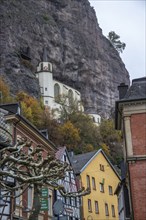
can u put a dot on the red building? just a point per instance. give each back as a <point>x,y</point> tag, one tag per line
<point>19,126</point>
<point>131,119</point>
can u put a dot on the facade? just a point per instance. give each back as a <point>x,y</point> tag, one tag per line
<point>19,126</point>
<point>95,171</point>
<point>131,118</point>
<point>53,91</point>
<point>71,205</point>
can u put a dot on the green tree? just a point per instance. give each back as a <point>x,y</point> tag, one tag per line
<point>68,106</point>
<point>114,39</point>
<point>108,132</point>
<point>89,132</point>
<point>111,139</point>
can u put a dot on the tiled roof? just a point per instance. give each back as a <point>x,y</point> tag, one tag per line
<point>80,160</point>
<point>137,90</point>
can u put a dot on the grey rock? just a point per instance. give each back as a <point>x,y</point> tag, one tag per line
<point>81,56</point>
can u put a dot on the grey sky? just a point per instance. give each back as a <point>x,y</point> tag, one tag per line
<point>127,19</point>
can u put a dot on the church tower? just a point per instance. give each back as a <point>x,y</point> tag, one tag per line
<point>45,77</point>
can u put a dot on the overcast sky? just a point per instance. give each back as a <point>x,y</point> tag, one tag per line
<point>127,19</point>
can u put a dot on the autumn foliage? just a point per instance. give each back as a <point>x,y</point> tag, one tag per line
<point>31,108</point>
<point>75,130</point>
<point>5,96</point>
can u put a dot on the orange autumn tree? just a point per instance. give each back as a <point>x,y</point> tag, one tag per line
<point>5,96</point>
<point>32,108</point>
<point>69,135</point>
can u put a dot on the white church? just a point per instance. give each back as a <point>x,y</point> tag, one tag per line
<point>51,89</point>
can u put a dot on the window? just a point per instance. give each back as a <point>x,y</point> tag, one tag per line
<point>70,96</point>
<point>96,207</point>
<point>41,66</point>
<point>88,181</point>
<point>45,89</point>
<point>30,197</point>
<point>101,187</point>
<point>93,183</point>
<point>50,205</point>
<point>65,200</point>
<point>42,90</point>
<point>101,167</point>
<point>46,102</point>
<point>106,209</point>
<point>75,201</point>
<point>110,190</point>
<point>65,157</point>
<point>70,177</point>
<point>18,198</point>
<point>70,201</point>
<point>89,205</point>
<point>56,92</point>
<point>113,211</point>
<point>50,67</point>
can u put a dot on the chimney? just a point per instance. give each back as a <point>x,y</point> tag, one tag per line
<point>122,90</point>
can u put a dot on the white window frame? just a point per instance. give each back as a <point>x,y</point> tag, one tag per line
<point>101,185</point>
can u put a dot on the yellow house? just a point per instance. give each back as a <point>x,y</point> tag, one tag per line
<point>95,170</point>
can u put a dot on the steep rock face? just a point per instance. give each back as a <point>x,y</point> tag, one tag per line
<point>81,56</point>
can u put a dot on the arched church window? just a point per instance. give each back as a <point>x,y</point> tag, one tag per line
<point>70,96</point>
<point>56,92</point>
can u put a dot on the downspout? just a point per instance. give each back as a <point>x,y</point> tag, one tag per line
<point>129,180</point>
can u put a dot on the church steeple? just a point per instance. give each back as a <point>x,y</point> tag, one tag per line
<point>45,55</point>
<point>44,65</point>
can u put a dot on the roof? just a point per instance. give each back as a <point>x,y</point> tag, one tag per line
<point>81,161</point>
<point>137,89</point>
<point>11,108</point>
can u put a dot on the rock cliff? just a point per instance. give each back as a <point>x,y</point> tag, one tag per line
<point>81,56</point>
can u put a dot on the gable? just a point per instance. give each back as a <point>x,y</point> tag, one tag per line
<point>93,165</point>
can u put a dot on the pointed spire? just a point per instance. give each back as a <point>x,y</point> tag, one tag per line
<point>45,55</point>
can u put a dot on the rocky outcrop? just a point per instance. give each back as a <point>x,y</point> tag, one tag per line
<point>81,56</point>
